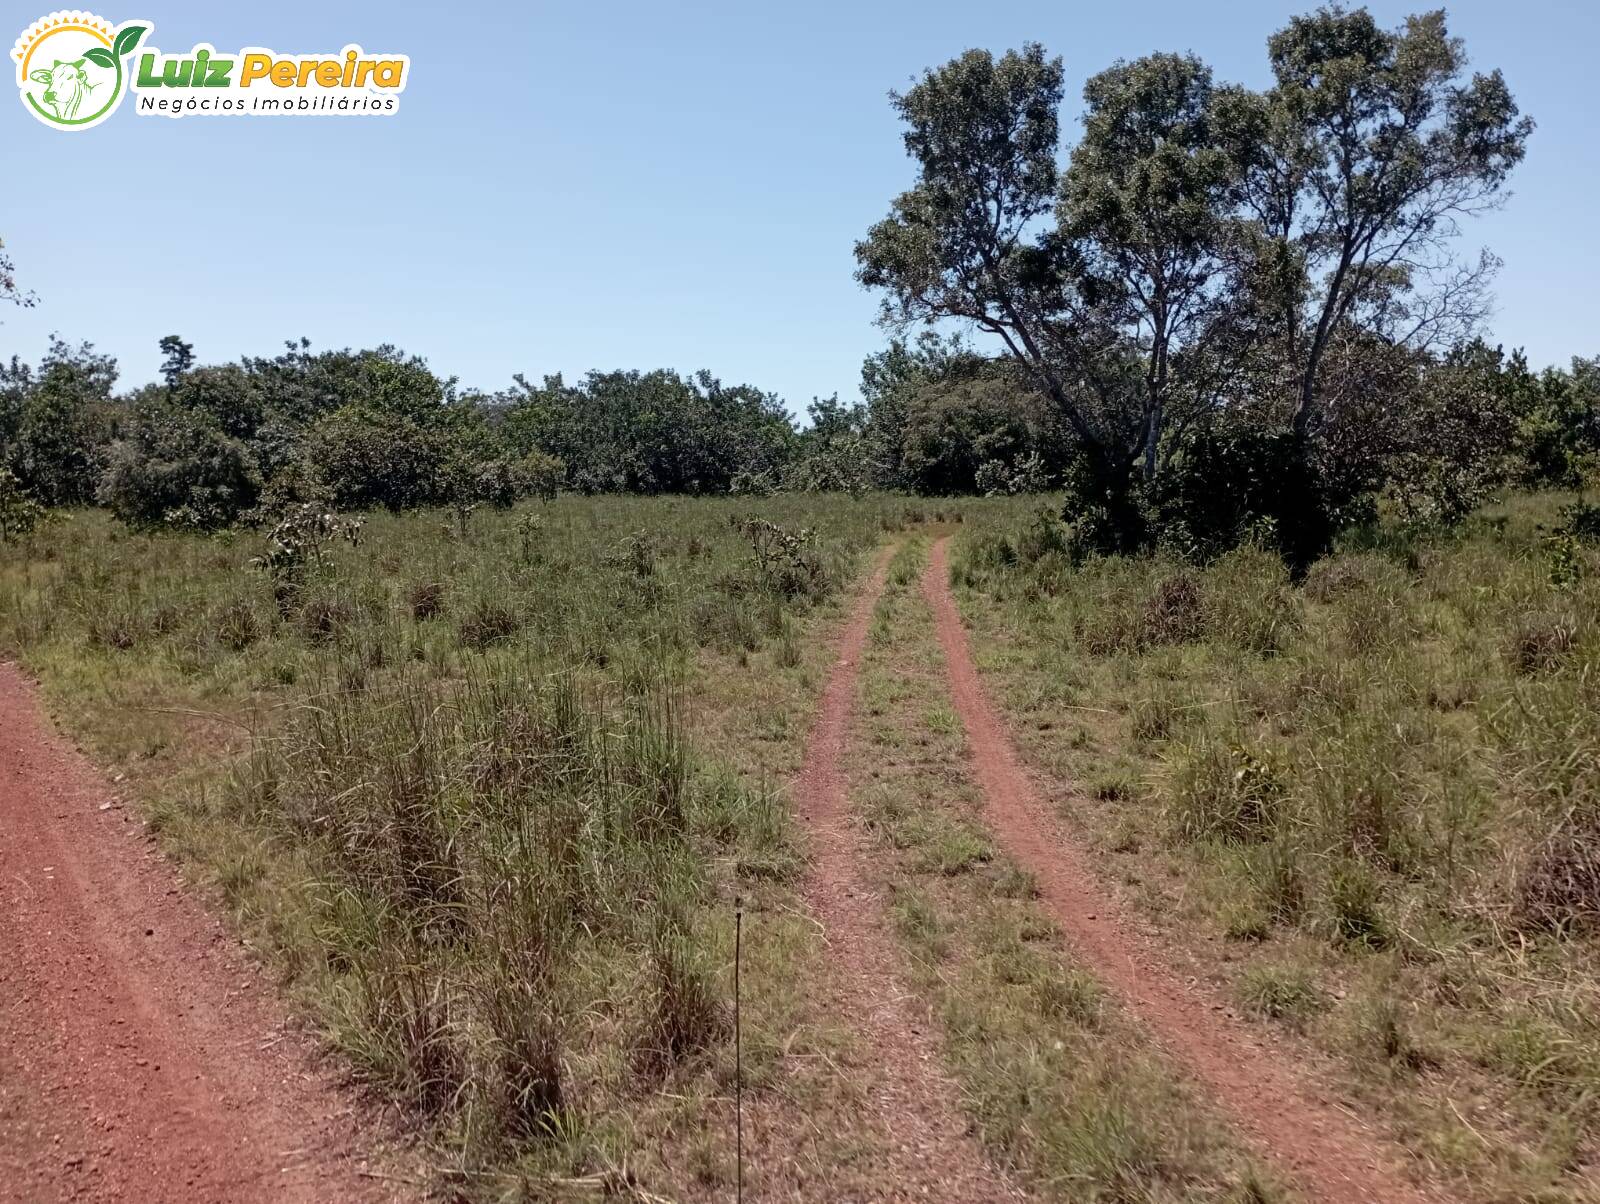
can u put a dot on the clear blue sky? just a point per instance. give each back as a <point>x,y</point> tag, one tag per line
<point>638,184</point>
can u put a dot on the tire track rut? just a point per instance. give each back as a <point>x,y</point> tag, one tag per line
<point>911,1100</point>
<point>141,1056</point>
<point>1326,1151</point>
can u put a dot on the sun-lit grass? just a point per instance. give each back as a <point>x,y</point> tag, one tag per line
<point>1367,804</point>
<point>1059,1083</point>
<point>477,796</point>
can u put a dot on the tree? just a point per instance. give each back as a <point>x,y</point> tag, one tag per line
<point>1363,157</point>
<point>225,393</point>
<point>834,452</point>
<point>1217,256</point>
<point>368,457</point>
<point>56,421</point>
<point>1145,208</point>
<point>1558,421</point>
<point>954,428</point>
<point>177,357</point>
<point>1458,438</point>
<point>176,468</point>
<point>651,432</point>
<point>9,291</point>
<point>890,377</point>
<point>968,242</point>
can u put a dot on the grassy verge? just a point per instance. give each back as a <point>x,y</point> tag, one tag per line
<point>483,798</point>
<point>1364,805</point>
<point>1058,1084</point>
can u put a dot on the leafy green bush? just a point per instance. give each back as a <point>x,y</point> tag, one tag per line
<point>370,458</point>
<point>19,513</point>
<point>177,469</point>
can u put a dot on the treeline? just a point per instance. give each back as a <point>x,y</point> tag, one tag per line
<point>212,445</point>
<point>1226,314</point>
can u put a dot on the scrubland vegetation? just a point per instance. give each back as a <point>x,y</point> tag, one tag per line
<point>477,707</point>
<point>1366,803</point>
<point>466,789</point>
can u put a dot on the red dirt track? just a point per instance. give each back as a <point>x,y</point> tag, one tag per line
<point>931,1154</point>
<point>1326,1151</point>
<point>141,1058</point>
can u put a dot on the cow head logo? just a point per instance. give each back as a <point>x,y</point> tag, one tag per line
<point>70,67</point>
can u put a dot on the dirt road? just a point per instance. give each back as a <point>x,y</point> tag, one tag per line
<point>930,1155</point>
<point>141,1056</point>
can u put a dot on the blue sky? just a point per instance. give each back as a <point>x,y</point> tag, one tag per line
<point>637,184</point>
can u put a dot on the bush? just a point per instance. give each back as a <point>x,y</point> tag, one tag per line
<point>176,469</point>
<point>488,623</point>
<point>1175,611</point>
<point>426,599</point>
<point>1581,521</point>
<point>19,513</point>
<point>1237,481</point>
<point>1540,642</point>
<point>784,564</point>
<point>369,458</point>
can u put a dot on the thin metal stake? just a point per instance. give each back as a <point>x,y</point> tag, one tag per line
<point>738,1053</point>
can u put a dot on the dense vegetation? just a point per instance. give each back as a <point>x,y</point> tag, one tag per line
<point>1232,314</point>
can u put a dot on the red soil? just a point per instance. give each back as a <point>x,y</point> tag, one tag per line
<point>1329,1153</point>
<point>911,1100</point>
<point>141,1058</point>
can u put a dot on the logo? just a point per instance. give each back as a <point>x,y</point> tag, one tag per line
<point>73,69</point>
<point>70,67</point>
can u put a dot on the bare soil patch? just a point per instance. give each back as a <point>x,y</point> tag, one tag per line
<point>142,1056</point>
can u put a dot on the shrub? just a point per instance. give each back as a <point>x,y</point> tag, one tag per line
<point>374,458</point>
<point>176,469</point>
<point>323,618</point>
<point>1541,642</point>
<point>1237,481</point>
<point>237,625</point>
<point>426,599</point>
<point>784,564</point>
<point>302,539</point>
<point>1581,521</point>
<point>1175,611</point>
<point>636,554</point>
<point>487,623</point>
<point>19,513</point>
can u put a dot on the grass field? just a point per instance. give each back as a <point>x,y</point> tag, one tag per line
<point>1368,805</point>
<point>485,795</point>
